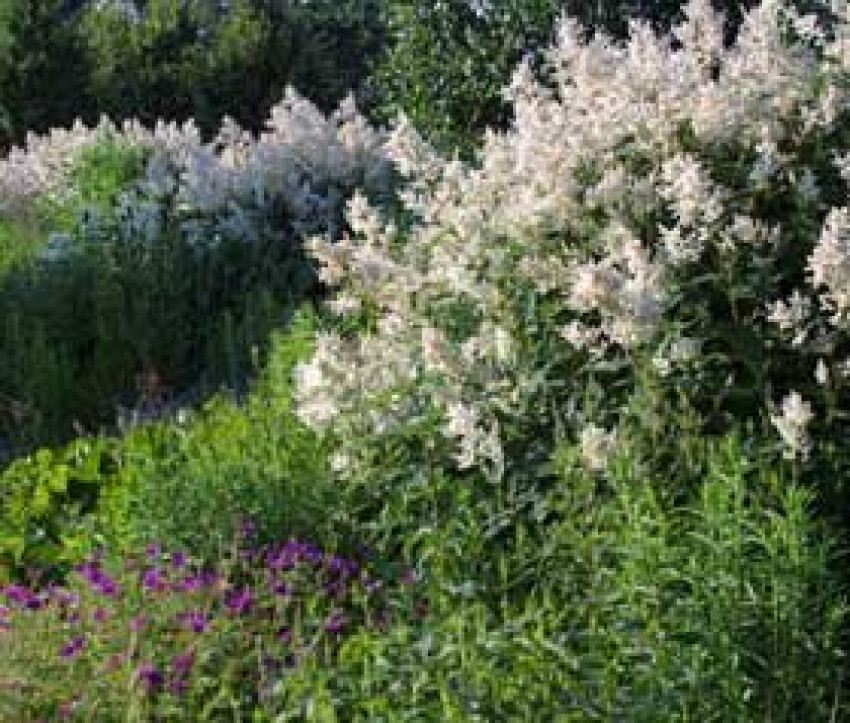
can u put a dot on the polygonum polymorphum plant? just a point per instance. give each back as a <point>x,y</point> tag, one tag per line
<point>155,634</point>
<point>665,213</point>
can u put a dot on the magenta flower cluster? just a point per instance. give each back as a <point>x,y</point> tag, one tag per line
<point>159,617</point>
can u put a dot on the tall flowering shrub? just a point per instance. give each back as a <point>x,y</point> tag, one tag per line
<point>187,264</point>
<point>305,160</point>
<point>665,213</point>
<point>41,167</point>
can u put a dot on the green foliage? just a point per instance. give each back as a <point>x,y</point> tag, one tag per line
<point>445,63</point>
<point>595,598</point>
<point>104,318</point>
<point>685,577</point>
<point>100,173</point>
<point>162,59</point>
<point>20,240</point>
<point>192,60</point>
<point>44,499</point>
<point>187,484</point>
<point>43,70</point>
<point>197,481</point>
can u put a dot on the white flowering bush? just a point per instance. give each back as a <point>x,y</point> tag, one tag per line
<point>181,269</point>
<point>304,159</point>
<point>40,169</point>
<point>666,215</point>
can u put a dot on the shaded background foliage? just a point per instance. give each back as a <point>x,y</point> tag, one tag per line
<point>442,63</point>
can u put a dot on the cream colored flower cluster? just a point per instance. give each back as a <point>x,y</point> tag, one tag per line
<point>304,161</point>
<point>593,203</point>
<point>39,168</point>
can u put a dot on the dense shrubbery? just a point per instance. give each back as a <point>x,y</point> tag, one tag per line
<point>660,221</point>
<point>197,59</point>
<point>171,258</point>
<point>593,600</point>
<point>186,484</point>
<point>444,64</point>
<point>587,390</point>
<point>43,69</point>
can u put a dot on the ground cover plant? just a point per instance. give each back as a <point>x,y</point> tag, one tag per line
<point>573,411</point>
<point>160,636</point>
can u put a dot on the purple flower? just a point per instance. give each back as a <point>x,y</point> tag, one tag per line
<point>194,619</point>
<point>249,528</point>
<point>183,663</point>
<point>154,581</point>
<point>240,602</point>
<point>180,669</point>
<point>153,551</point>
<point>100,615</point>
<point>312,553</point>
<point>303,551</point>
<point>340,566</point>
<point>97,579</point>
<point>190,583</point>
<point>108,587</point>
<point>178,560</point>
<point>17,594</point>
<point>72,648</point>
<point>23,597</point>
<point>284,635</point>
<point>150,677</point>
<point>280,559</point>
<point>35,602</point>
<point>335,622</point>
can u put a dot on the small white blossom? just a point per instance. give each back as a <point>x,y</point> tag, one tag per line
<point>340,461</point>
<point>792,316</point>
<point>597,444</point>
<point>821,373</point>
<point>796,415</point>
<point>829,264</point>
